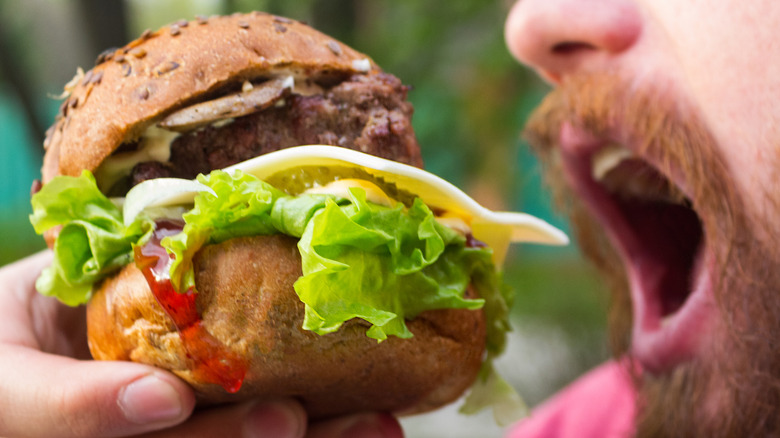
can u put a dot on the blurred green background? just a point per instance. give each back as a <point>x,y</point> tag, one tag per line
<point>471,99</point>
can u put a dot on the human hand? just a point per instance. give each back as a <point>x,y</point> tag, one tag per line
<point>49,387</point>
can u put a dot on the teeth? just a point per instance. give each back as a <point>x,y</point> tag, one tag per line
<point>607,159</point>
<point>626,175</point>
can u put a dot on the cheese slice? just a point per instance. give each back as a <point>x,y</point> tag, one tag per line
<point>496,229</point>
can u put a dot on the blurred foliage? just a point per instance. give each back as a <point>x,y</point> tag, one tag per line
<point>17,167</point>
<point>562,293</point>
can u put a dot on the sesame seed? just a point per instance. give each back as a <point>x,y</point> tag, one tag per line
<point>362,65</point>
<point>97,77</point>
<point>105,55</point>
<point>126,70</point>
<point>144,94</point>
<point>334,47</point>
<point>182,23</point>
<point>87,78</point>
<point>279,27</point>
<point>119,58</point>
<point>202,19</point>
<point>49,134</point>
<point>138,52</point>
<point>282,19</point>
<point>243,24</point>
<point>146,34</point>
<point>166,67</point>
<point>74,102</point>
<point>175,30</point>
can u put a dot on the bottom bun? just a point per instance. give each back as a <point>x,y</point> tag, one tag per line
<point>247,302</point>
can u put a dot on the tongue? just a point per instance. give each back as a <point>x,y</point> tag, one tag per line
<point>669,236</point>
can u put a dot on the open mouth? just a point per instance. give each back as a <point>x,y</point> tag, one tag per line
<point>650,219</point>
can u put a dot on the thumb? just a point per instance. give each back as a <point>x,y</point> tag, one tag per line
<point>43,395</point>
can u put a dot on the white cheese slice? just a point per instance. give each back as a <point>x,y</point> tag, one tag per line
<point>496,229</point>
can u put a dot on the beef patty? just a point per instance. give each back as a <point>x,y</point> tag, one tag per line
<point>367,113</point>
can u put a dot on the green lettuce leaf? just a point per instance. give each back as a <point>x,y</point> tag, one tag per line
<point>348,251</point>
<point>93,241</point>
<point>492,391</point>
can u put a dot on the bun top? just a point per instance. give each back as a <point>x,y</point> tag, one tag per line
<point>132,87</point>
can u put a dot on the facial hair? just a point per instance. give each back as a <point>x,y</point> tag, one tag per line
<point>732,387</point>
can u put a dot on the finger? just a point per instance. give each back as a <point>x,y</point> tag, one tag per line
<point>17,287</point>
<point>34,320</point>
<point>277,419</point>
<point>44,395</point>
<point>26,270</point>
<point>366,425</point>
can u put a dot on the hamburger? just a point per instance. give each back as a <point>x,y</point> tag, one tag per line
<point>240,200</point>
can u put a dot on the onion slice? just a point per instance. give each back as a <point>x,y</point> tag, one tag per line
<point>252,99</point>
<point>160,192</point>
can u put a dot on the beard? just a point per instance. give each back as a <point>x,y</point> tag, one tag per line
<point>731,387</point>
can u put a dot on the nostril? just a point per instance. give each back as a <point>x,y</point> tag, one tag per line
<point>558,38</point>
<point>569,47</point>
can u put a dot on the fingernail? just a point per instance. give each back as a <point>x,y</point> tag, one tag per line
<point>275,419</point>
<point>373,426</point>
<point>150,399</point>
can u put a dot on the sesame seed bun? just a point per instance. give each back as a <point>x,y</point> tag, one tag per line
<point>162,71</point>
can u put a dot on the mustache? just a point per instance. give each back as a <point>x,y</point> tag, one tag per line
<point>647,120</point>
<point>661,129</point>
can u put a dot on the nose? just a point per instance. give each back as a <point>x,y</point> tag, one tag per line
<point>562,37</point>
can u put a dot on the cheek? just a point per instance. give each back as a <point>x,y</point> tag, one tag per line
<point>729,65</point>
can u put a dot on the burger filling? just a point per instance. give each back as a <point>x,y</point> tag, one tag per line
<point>368,113</point>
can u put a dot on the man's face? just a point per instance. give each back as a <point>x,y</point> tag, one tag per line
<point>666,127</point>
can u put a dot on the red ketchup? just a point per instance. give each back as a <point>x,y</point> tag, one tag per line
<point>213,362</point>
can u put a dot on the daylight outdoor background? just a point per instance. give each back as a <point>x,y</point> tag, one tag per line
<point>470,98</point>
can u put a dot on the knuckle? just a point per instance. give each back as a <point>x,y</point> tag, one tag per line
<point>76,412</point>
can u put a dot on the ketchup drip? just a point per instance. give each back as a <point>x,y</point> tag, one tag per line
<point>213,362</point>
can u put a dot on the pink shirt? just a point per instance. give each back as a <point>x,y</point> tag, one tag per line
<point>600,404</point>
